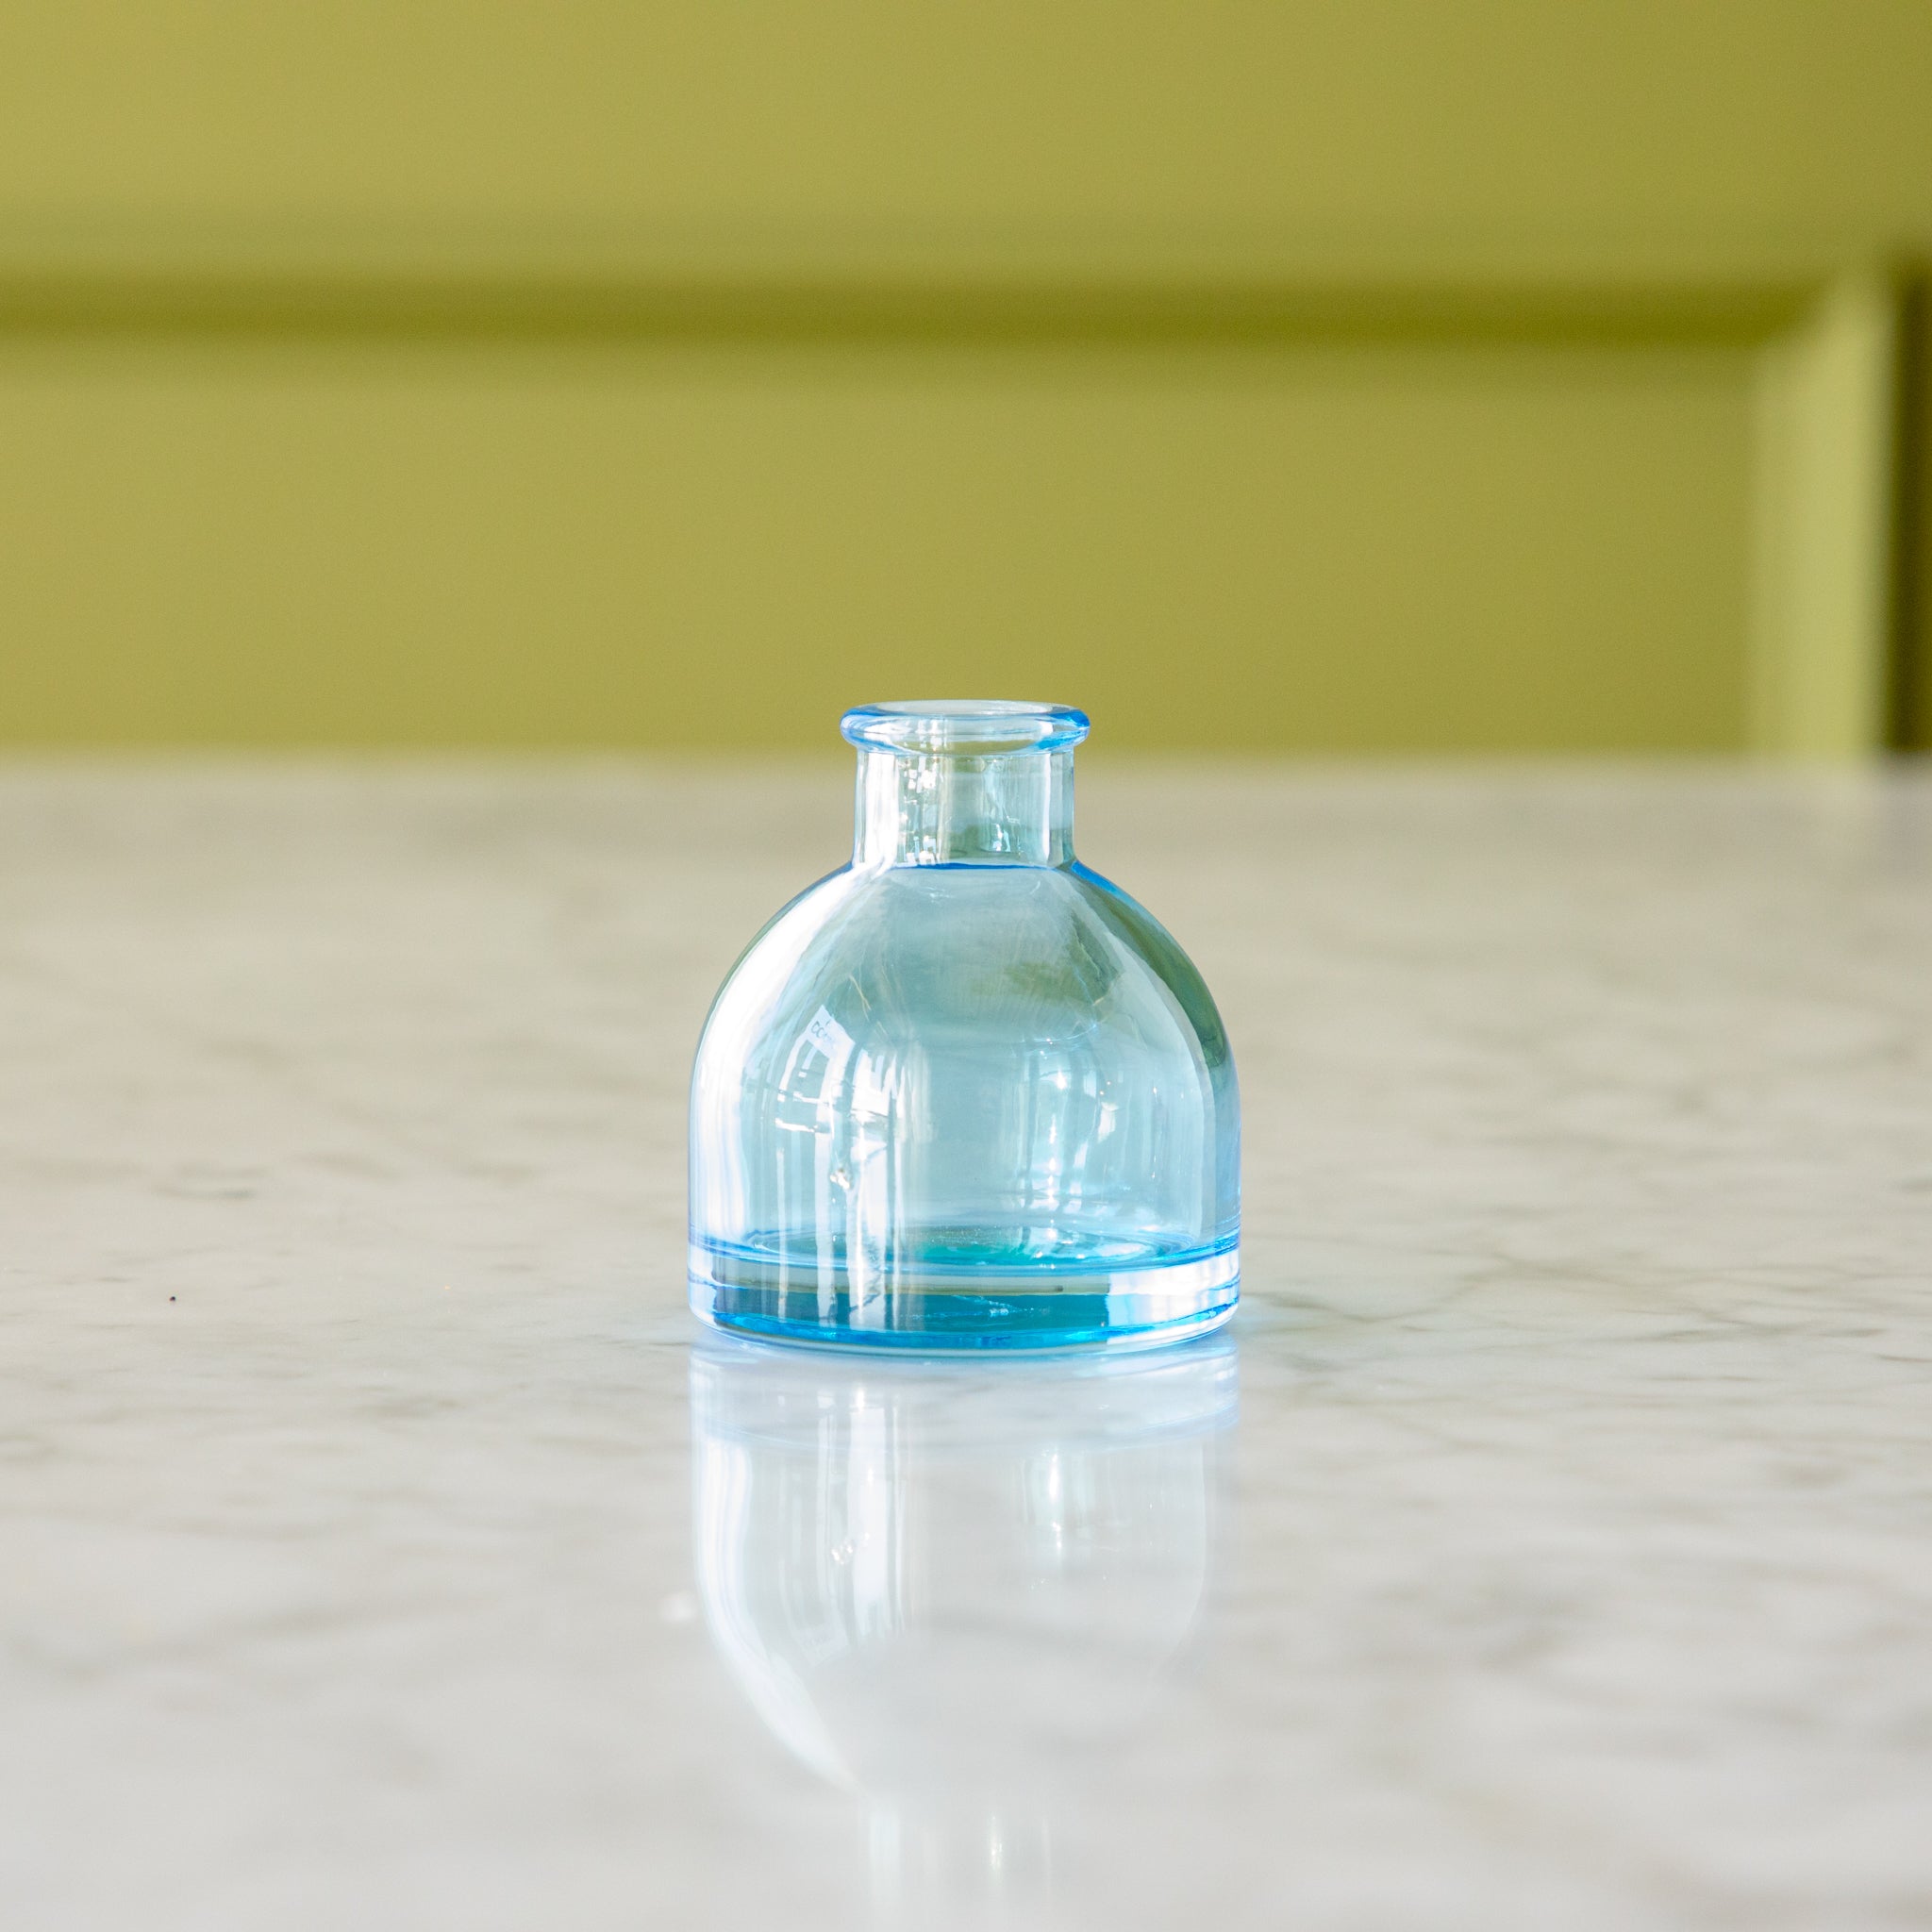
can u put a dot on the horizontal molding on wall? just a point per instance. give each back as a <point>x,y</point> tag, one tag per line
<point>400,305</point>
<point>1152,287</point>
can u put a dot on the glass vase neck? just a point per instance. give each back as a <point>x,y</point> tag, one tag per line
<point>934,810</point>
<point>968,782</point>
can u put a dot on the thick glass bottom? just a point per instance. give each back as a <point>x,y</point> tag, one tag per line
<point>1008,1306</point>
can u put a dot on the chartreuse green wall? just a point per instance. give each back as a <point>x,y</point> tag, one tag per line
<point>1389,377</point>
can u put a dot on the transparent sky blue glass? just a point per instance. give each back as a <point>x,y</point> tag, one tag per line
<point>964,1093</point>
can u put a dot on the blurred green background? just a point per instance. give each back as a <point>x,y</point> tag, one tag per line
<point>1355,377</point>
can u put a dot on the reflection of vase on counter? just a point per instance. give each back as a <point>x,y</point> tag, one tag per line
<point>946,1591</point>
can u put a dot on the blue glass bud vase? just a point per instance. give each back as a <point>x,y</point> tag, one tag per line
<point>964,1093</point>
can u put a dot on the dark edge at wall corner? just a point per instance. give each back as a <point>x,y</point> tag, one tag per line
<point>1908,697</point>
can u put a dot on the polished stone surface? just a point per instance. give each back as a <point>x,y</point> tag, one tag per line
<point>1548,1545</point>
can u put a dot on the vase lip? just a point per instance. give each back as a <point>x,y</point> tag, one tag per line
<point>963,727</point>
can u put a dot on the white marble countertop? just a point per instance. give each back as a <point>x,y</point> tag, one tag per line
<point>1549,1545</point>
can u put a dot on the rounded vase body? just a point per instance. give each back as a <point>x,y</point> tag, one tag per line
<point>964,1093</point>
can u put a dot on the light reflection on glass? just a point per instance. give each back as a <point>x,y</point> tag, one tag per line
<point>946,1587</point>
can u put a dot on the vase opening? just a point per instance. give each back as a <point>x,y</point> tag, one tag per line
<point>963,727</point>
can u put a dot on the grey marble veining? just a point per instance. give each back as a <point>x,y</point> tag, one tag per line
<point>1550,1543</point>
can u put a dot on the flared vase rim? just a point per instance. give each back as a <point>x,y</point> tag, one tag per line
<point>963,727</point>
